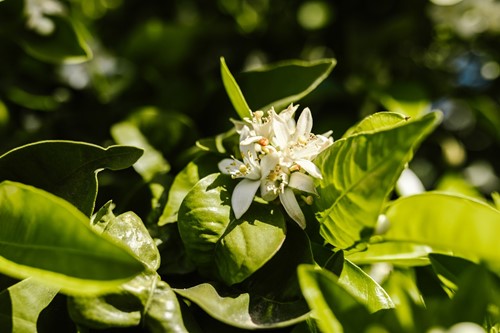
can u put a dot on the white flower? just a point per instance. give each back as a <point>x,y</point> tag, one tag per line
<point>277,155</point>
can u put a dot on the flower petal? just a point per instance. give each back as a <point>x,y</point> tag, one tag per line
<point>268,189</point>
<point>268,163</point>
<point>304,124</point>
<point>302,182</point>
<point>243,195</point>
<point>310,168</point>
<point>281,133</point>
<point>292,207</point>
<point>228,166</point>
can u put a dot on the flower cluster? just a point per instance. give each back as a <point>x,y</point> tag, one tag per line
<point>277,155</point>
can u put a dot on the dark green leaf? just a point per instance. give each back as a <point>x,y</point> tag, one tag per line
<point>46,237</point>
<point>234,91</point>
<point>359,172</point>
<point>448,269</point>
<point>447,222</point>
<point>65,168</point>
<point>21,304</point>
<point>278,85</point>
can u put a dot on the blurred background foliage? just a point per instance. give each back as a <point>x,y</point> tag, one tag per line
<point>75,69</point>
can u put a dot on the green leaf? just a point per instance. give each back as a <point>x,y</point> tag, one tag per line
<point>242,309</point>
<point>362,287</point>
<point>64,44</point>
<point>278,85</point>
<point>46,237</point>
<point>65,168</point>
<point>359,172</point>
<point>237,247</point>
<point>401,254</point>
<point>448,269</point>
<point>184,181</point>
<point>21,304</point>
<point>334,308</point>
<point>163,312</point>
<point>376,122</point>
<point>467,227</point>
<point>234,91</point>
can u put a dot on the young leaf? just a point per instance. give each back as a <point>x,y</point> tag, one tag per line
<point>46,237</point>
<point>401,254</point>
<point>359,172</point>
<point>234,91</point>
<point>335,309</point>
<point>278,85</point>
<point>243,309</point>
<point>65,168</point>
<point>463,225</point>
<point>21,304</point>
<point>376,122</point>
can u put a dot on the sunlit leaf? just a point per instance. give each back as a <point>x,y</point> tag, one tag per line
<point>21,304</point>
<point>401,254</point>
<point>242,309</point>
<point>65,168</point>
<point>376,122</point>
<point>359,172</point>
<point>46,237</point>
<point>335,309</point>
<point>277,85</point>
<point>463,225</point>
<point>234,91</point>
<point>362,287</point>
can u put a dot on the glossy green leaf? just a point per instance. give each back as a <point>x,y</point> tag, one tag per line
<point>362,287</point>
<point>334,308</point>
<point>242,309</point>
<point>248,243</point>
<point>46,237</point>
<point>234,91</point>
<point>280,84</point>
<point>151,163</point>
<point>64,44</point>
<point>213,236</point>
<point>21,304</point>
<point>401,254</point>
<point>184,181</point>
<point>65,168</point>
<point>359,172</point>
<point>377,122</point>
<point>204,216</point>
<point>465,226</point>
<point>163,312</point>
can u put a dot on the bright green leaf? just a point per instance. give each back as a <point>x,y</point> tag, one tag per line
<point>242,309</point>
<point>65,168</point>
<point>401,254</point>
<point>377,122</point>
<point>278,85</point>
<point>234,91</point>
<point>359,172</point>
<point>362,287</point>
<point>46,237</point>
<point>21,304</point>
<point>465,226</point>
<point>334,308</point>
<point>64,44</point>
